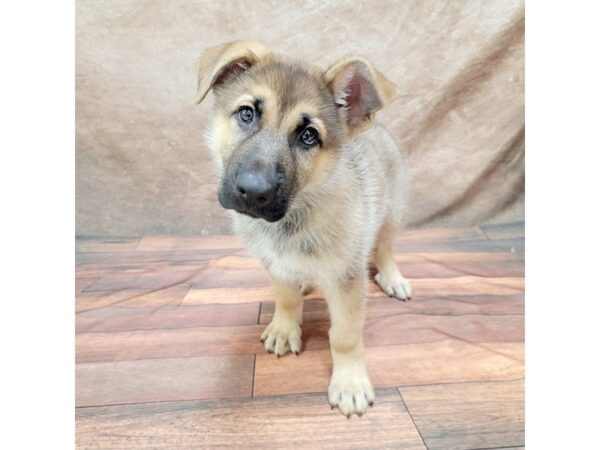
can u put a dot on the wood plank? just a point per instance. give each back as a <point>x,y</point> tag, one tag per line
<point>168,379</point>
<point>236,262</point>
<point>508,230</point>
<point>461,416</point>
<point>440,234</point>
<point>120,281</point>
<point>170,242</point>
<point>235,340</point>
<point>315,310</point>
<point>103,244</point>
<point>132,268</point>
<point>278,422</point>
<point>447,361</point>
<point>422,288</point>
<point>119,318</point>
<point>200,277</point>
<point>174,295</point>
<point>199,296</point>
<point>450,257</point>
<point>217,277</point>
<point>169,343</point>
<point>467,285</point>
<point>482,245</point>
<point>121,260</point>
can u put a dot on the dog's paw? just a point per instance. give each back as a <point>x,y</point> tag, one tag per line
<point>397,286</point>
<point>282,336</point>
<point>351,392</point>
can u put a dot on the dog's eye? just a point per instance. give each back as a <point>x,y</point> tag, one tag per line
<point>309,137</point>
<point>246,114</point>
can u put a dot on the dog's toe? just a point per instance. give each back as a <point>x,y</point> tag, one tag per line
<point>352,393</point>
<point>282,336</point>
<point>396,286</point>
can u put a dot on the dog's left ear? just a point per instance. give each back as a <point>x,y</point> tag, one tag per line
<point>359,91</point>
<point>223,63</point>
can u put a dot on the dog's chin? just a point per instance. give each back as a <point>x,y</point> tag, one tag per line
<point>269,216</point>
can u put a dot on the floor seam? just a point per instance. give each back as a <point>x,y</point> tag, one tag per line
<point>253,376</point>
<point>411,417</point>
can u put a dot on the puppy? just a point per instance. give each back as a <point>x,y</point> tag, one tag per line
<point>314,186</point>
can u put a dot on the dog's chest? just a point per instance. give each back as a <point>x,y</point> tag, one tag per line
<point>297,259</point>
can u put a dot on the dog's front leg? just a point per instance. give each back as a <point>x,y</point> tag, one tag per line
<point>349,389</point>
<point>283,333</point>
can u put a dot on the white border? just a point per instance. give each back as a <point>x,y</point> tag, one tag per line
<point>37,204</point>
<point>562,224</point>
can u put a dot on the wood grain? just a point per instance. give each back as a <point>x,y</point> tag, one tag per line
<point>467,285</point>
<point>234,340</point>
<point>83,282</point>
<point>158,243</point>
<point>475,245</point>
<point>443,361</point>
<point>121,281</point>
<point>197,296</point>
<point>168,379</point>
<point>460,416</point>
<point>424,287</point>
<point>294,421</point>
<point>509,230</point>
<point>173,295</point>
<point>120,318</point>
<point>440,234</point>
<point>113,244</point>
<point>315,310</point>
<point>167,343</point>
<point>202,296</point>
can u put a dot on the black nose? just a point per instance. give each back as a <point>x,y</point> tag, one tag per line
<point>255,190</point>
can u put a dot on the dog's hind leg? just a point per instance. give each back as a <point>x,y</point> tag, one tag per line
<point>284,334</point>
<point>389,278</point>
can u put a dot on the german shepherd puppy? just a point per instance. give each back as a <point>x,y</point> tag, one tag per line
<point>314,187</point>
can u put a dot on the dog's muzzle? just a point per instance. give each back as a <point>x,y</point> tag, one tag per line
<point>257,193</point>
<point>255,182</point>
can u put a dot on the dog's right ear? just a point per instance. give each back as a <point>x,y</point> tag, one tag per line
<point>224,62</point>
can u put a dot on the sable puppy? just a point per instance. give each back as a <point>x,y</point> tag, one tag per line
<point>314,186</point>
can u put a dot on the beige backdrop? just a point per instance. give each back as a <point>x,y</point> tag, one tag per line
<point>141,164</point>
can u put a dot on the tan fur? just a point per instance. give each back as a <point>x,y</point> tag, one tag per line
<point>348,199</point>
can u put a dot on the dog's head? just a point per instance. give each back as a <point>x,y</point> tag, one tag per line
<point>279,124</point>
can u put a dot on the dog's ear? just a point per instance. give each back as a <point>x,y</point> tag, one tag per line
<point>224,62</point>
<point>359,91</point>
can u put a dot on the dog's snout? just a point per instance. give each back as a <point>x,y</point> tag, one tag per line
<point>255,189</point>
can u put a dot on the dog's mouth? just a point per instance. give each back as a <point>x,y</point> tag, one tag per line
<point>269,216</point>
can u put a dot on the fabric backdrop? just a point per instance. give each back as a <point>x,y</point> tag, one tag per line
<point>141,163</point>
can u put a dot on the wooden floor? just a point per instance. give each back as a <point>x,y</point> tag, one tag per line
<point>168,352</point>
